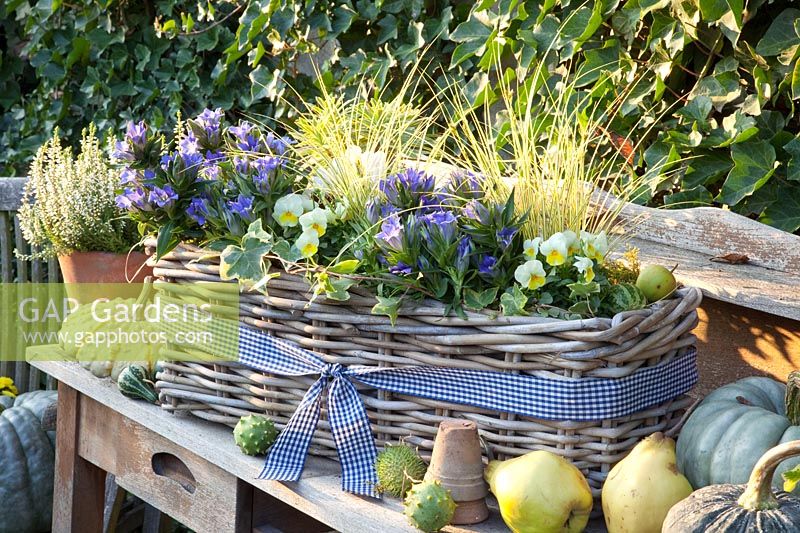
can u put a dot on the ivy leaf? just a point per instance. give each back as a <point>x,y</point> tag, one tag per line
<point>780,35</point>
<point>583,290</point>
<point>753,164</point>
<point>696,197</point>
<point>791,478</point>
<point>246,262</point>
<point>784,212</point>
<point>284,250</point>
<point>513,301</point>
<point>388,306</point>
<point>479,300</point>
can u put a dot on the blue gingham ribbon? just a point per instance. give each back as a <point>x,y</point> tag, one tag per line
<point>584,399</point>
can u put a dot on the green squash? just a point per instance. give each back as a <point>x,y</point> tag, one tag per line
<point>27,461</point>
<point>733,427</point>
<point>751,508</point>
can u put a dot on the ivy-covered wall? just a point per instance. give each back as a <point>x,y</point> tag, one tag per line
<point>709,86</point>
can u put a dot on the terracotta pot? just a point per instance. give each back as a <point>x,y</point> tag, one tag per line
<point>82,270</point>
<point>457,463</point>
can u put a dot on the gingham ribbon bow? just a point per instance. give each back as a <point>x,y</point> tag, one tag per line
<point>539,397</point>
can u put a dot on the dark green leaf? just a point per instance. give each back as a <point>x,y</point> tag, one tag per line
<point>754,164</point>
<point>780,35</point>
<point>784,212</point>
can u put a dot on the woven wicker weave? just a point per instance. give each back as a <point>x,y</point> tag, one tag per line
<point>349,334</point>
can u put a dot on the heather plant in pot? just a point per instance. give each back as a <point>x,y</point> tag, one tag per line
<point>68,211</point>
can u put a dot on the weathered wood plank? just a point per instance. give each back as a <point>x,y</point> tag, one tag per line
<point>318,494</point>
<point>714,232</point>
<point>746,285</point>
<point>79,486</point>
<point>11,193</point>
<point>6,247</point>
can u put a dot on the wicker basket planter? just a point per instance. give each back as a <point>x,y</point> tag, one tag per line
<point>348,334</point>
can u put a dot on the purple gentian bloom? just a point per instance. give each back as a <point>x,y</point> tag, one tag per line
<point>136,133</point>
<point>149,174</point>
<point>163,197</point>
<point>123,151</point>
<point>214,157</point>
<point>476,210</point>
<point>211,172</point>
<point>133,198</point>
<point>248,144</point>
<point>128,175</point>
<point>400,269</point>
<point>265,165</point>
<point>465,185</point>
<point>441,223</point>
<point>198,210</point>
<point>391,233</point>
<point>188,145</point>
<point>505,236</point>
<point>487,265</point>
<point>166,160</point>
<point>463,252</point>
<point>278,145</point>
<point>210,119</point>
<point>406,187</point>
<point>242,130</point>
<point>241,164</point>
<point>242,206</point>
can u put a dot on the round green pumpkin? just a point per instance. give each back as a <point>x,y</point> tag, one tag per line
<point>733,427</point>
<point>27,461</point>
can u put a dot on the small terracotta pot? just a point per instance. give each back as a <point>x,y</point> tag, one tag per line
<point>81,270</point>
<point>457,463</point>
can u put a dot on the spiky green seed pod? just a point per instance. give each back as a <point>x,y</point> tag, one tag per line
<point>429,506</point>
<point>254,434</point>
<point>397,467</point>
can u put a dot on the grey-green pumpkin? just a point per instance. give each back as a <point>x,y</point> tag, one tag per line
<point>27,458</point>
<point>734,426</point>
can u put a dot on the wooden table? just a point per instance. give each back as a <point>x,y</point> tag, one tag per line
<point>192,471</point>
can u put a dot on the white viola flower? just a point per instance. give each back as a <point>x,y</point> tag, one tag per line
<point>573,242</point>
<point>308,203</point>
<point>594,246</point>
<point>288,210</point>
<point>531,247</point>
<point>307,243</point>
<point>315,220</point>
<point>555,249</point>
<point>586,267</point>
<point>531,274</point>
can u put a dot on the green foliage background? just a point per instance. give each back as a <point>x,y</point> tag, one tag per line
<point>706,88</point>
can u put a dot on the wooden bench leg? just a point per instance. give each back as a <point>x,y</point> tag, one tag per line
<point>79,486</point>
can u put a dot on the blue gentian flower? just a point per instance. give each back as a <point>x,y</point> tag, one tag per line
<point>128,175</point>
<point>442,224</point>
<point>166,160</point>
<point>133,198</point>
<point>465,185</point>
<point>265,165</point>
<point>123,151</point>
<point>149,174</point>
<point>463,252</point>
<point>136,133</point>
<point>278,145</point>
<point>214,157</point>
<point>248,144</point>
<point>242,206</point>
<point>241,131</point>
<point>476,210</point>
<point>487,265</point>
<point>210,119</point>
<point>241,164</point>
<point>505,236</point>
<point>198,210</point>
<point>404,189</point>
<point>211,172</point>
<point>163,197</point>
<point>391,233</point>
<point>188,145</point>
<point>400,269</point>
